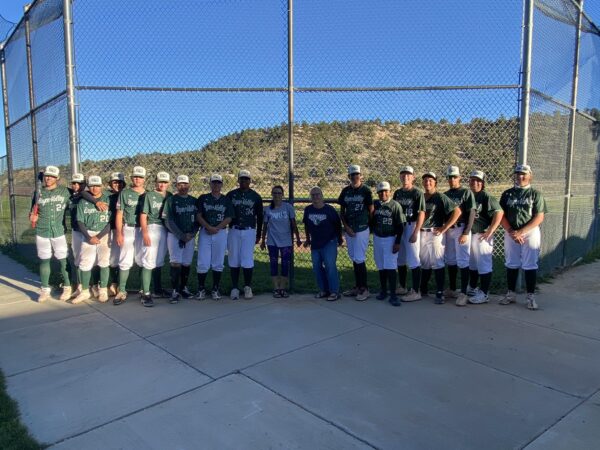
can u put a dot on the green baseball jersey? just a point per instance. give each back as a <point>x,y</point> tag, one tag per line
<point>247,207</point>
<point>88,214</point>
<point>486,207</point>
<point>131,203</point>
<point>412,202</point>
<point>521,204</point>
<point>113,199</point>
<point>182,211</point>
<point>214,210</point>
<point>52,206</point>
<point>437,208</point>
<point>463,198</point>
<point>388,219</point>
<point>154,203</point>
<point>356,204</point>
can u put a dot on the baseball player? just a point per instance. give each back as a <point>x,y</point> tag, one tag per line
<point>356,210</point>
<point>244,233</point>
<point>154,236</point>
<point>47,216</point>
<point>78,187</point>
<point>94,226</point>
<point>388,227</point>
<point>458,237</point>
<point>524,210</point>
<point>128,232</point>
<point>412,201</point>
<point>487,220</point>
<point>215,212</point>
<point>440,214</point>
<point>179,216</point>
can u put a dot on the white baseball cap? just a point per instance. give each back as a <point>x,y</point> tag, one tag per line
<point>183,179</point>
<point>522,168</point>
<point>117,176</point>
<point>452,171</point>
<point>52,171</point>
<point>430,174</point>
<point>354,168</point>
<point>383,186</point>
<point>244,174</point>
<point>407,169</point>
<point>138,171</point>
<point>94,180</point>
<point>478,174</point>
<point>77,178</point>
<point>216,177</point>
<point>163,176</point>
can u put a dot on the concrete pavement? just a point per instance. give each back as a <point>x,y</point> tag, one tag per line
<point>305,373</point>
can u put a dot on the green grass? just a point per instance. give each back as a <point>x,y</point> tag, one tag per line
<point>13,435</point>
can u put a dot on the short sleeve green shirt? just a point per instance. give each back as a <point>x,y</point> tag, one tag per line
<point>247,206</point>
<point>131,203</point>
<point>486,207</point>
<point>214,210</point>
<point>52,206</point>
<point>520,205</point>
<point>154,203</point>
<point>463,198</point>
<point>437,208</point>
<point>90,216</point>
<point>356,204</point>
<point>412,202</point>
<point>182,211</point>
<point>388,218</point>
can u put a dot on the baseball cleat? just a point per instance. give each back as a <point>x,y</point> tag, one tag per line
<point>66,293</point>
<point>44,295</point>
<point>509,298</point>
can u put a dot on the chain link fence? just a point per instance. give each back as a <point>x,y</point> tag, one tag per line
<point>211,86</point>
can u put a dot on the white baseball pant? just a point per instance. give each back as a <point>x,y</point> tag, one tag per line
<point>115,250</point>
<point>154,255</point>
<point>409,252</point>
<point>92,255</point>
<point>357,246</point>
<point>178,255</point>
<point>432,250</point>
<point>240,247</point>
<point>45,247</point>
<point>481,258</point>
<point>76,240</point>
<point>524,255</point>
<point>385,258</point>
<point>132,247</point>
<point>211,251</point>
<point>457,254</point>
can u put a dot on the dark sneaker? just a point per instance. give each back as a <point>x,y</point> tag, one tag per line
<point>382,295</point>
<point>439,298</point>
<point>394,300</point>
<point>174,297</point>
<point>333,297</point>
<point>185,293</point>
<point>147,301</point>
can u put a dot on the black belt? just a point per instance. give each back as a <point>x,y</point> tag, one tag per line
<point>237,227</point>
<point>427,230</point>
<point>456,225</point>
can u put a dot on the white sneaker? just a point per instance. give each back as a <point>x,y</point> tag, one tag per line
<point>479,297</point>
<point>449,293</point>
<point>362,295</point>
<point>509,298</point>
<point>113,289</point>
<point>235,294</point>
<point>401,290</point>
<point>461,299</point>
<point>95,291</point>
<point>85,295</point>
<point>201,295</point>
<point>66,293</point>
<point>531,303</point>
<point>216,295</point>
<point>103,295</point>
<point>472,292</point>
<point>248,293</point>
<point>412,296</point>
<point>44,295</point>
<point>76,292</point>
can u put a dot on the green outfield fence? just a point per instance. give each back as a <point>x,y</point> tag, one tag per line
<point>296,91</point>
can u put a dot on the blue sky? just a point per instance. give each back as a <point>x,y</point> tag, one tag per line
<point>242,43</point>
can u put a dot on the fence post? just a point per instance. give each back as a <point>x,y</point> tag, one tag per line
<point>571,141</point>
<point>291,122</point>
<point>34,141</point>
<point>526,81</point>
<point>70,79</point>
<point>9,163</point>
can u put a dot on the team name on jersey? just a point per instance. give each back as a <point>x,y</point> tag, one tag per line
<point>185,209</point>
<point>353,198</point>
<point>88,210</point>
<point>155,205</point>
<point>54,198</point>
<point>405,201</point>
<point>209,207</point>
<point>243,202</point>
<point>317,218</point>
<point>383,212</point>
<point>519,202</point>
<point>131,202</point>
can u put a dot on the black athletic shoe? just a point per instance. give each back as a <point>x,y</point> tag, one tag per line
<point>439,299</point>
<point>185,293</point>
<point>174,297</point>
<point>382,295</point>
<point>394,300</point>
<point>147,301</point>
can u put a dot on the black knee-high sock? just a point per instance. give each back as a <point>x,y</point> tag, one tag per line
<point>452,272</point>
<point>383,281</point>
<point>216,279</point>
<point>201,280</point>
<point>530,279</point>
<point>464,279</point>
<point>356,274</point>
<point>402,272</point>
<point>416,278</point>
<point>440,276</point>
<point>426,275</point>
<point>114,275</point>
<point>511,278</point>
<point>95,275</point>
<point>392,281</point>
<point>175,275</point>
<point>486,280</point>
<point>235,277</point>
<point>362,271</point>
<point>473,276</point>
<point>185,273</point>
<point>157,279</point>
<point>248,271</point>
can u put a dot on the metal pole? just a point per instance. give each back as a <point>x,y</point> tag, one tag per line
<point>291,118</point>
<point>526,81</point>
<point>9,163</point>
<point>70,78</point>
<point>571,144</point>
<point>34,141</point>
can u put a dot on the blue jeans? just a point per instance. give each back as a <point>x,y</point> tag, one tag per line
<point>325,269</point>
